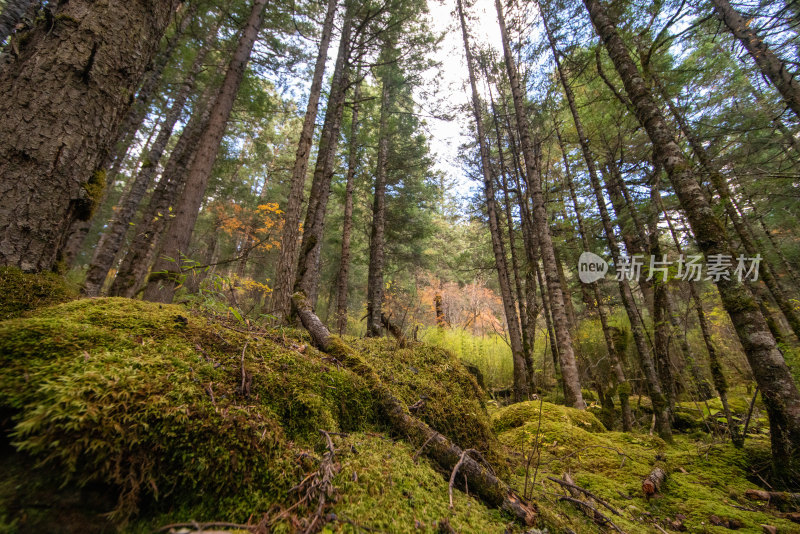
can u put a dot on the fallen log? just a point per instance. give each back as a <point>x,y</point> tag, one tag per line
<point>482,482</point>
<point>395,330</point>
<point>652,482</point>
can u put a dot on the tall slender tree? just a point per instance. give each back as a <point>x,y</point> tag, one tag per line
<point>167,269</point>
<point>287,262</point>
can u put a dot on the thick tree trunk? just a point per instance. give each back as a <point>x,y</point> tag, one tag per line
<point>126,133</point>
<point>64,95</point>
<point>11,15</point>
<point>307,279</point>
<point>566,353</point>
<point>347,224</point>
<point>167,268</point>
<point>287,260</point>
<point>377,237</point>
<point>623,387</point>
<point>778,388</point>
<point>112,239</point>
<point>770,65</point>
<point>133,269</point>
<point>660,405</point>
<point>515,337</point>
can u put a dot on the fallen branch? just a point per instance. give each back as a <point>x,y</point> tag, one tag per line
<point>202,526</point>
<point>586,492</point>
<point>597,516</point>
<point>245,386</point>
<point>455,471</point>
<point>484,484</point>
<point>393,329</point>
<point>773,497</point>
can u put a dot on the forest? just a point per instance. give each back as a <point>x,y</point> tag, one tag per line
<point>447,266</point>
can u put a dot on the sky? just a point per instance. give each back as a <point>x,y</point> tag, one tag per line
<point>451,75</point>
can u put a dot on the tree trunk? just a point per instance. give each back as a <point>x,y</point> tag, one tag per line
<point>515,338</point>
<point>307,279</point>
<point>347,224</point>
<point>287,260</point>
<point>64,95</point>
<point>126,134</point>
<point>133,269</point>
<point>11,15</point>
<point>779,391</point>
<point>377,237</point>
<point>112,239</point>
<point>623,387</point>
<point>569,367</point>
<point>660,405</point>
<point>771,66</point>
<point>174,246</point>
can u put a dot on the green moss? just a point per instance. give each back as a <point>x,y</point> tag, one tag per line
<point>453,401</point>
<point>384,489</point>
<point>92,195</point>
<point>518,414</point>
<point>21,292</point>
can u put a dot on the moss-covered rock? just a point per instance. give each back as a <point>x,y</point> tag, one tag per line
<point>21,292</point>
<point>516,415</point>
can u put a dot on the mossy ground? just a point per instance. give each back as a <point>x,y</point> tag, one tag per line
<point>124,415</point>
<point>704,478</point>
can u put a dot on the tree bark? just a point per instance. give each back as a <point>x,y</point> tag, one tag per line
<point>167,268</point>
<point>515,337</point>
<point>770,65</point>
<point>347,224</point>
<point>377,237</point>
<point>566,353</point>
<point>64,95</point>
<point>126,133</point>
<point>307,270</point>
<point>112,239</point>
<point>779,391</point>
<point>11,15</point>
<point>286,268</point>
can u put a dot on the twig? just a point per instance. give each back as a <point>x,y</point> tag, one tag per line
<point>585,492</point>
<point>598,515</point>
<point>419,451</point>
<point>455,470</point>
<point>244,374</point>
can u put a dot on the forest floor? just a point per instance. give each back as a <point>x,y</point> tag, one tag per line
<point>123,415</point>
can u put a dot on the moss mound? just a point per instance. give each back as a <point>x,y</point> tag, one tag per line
<point>21,292</point>
<point>704,478</point>
<point>180,418</point>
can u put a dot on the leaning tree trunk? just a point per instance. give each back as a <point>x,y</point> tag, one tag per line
<point>778,388</point>
<point>112,239</point>
<point>11,15</point>
<point>566,352</point>
<point>167,269</point>
<point>64,95</point>
<point>307,279</point>
<point>377,237</point>
<point>660,405</point>
<point>519,367</point>
<point>770,65</point>
<point>287,260</point>
<point>347,224</point>
<point>148,231</point>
